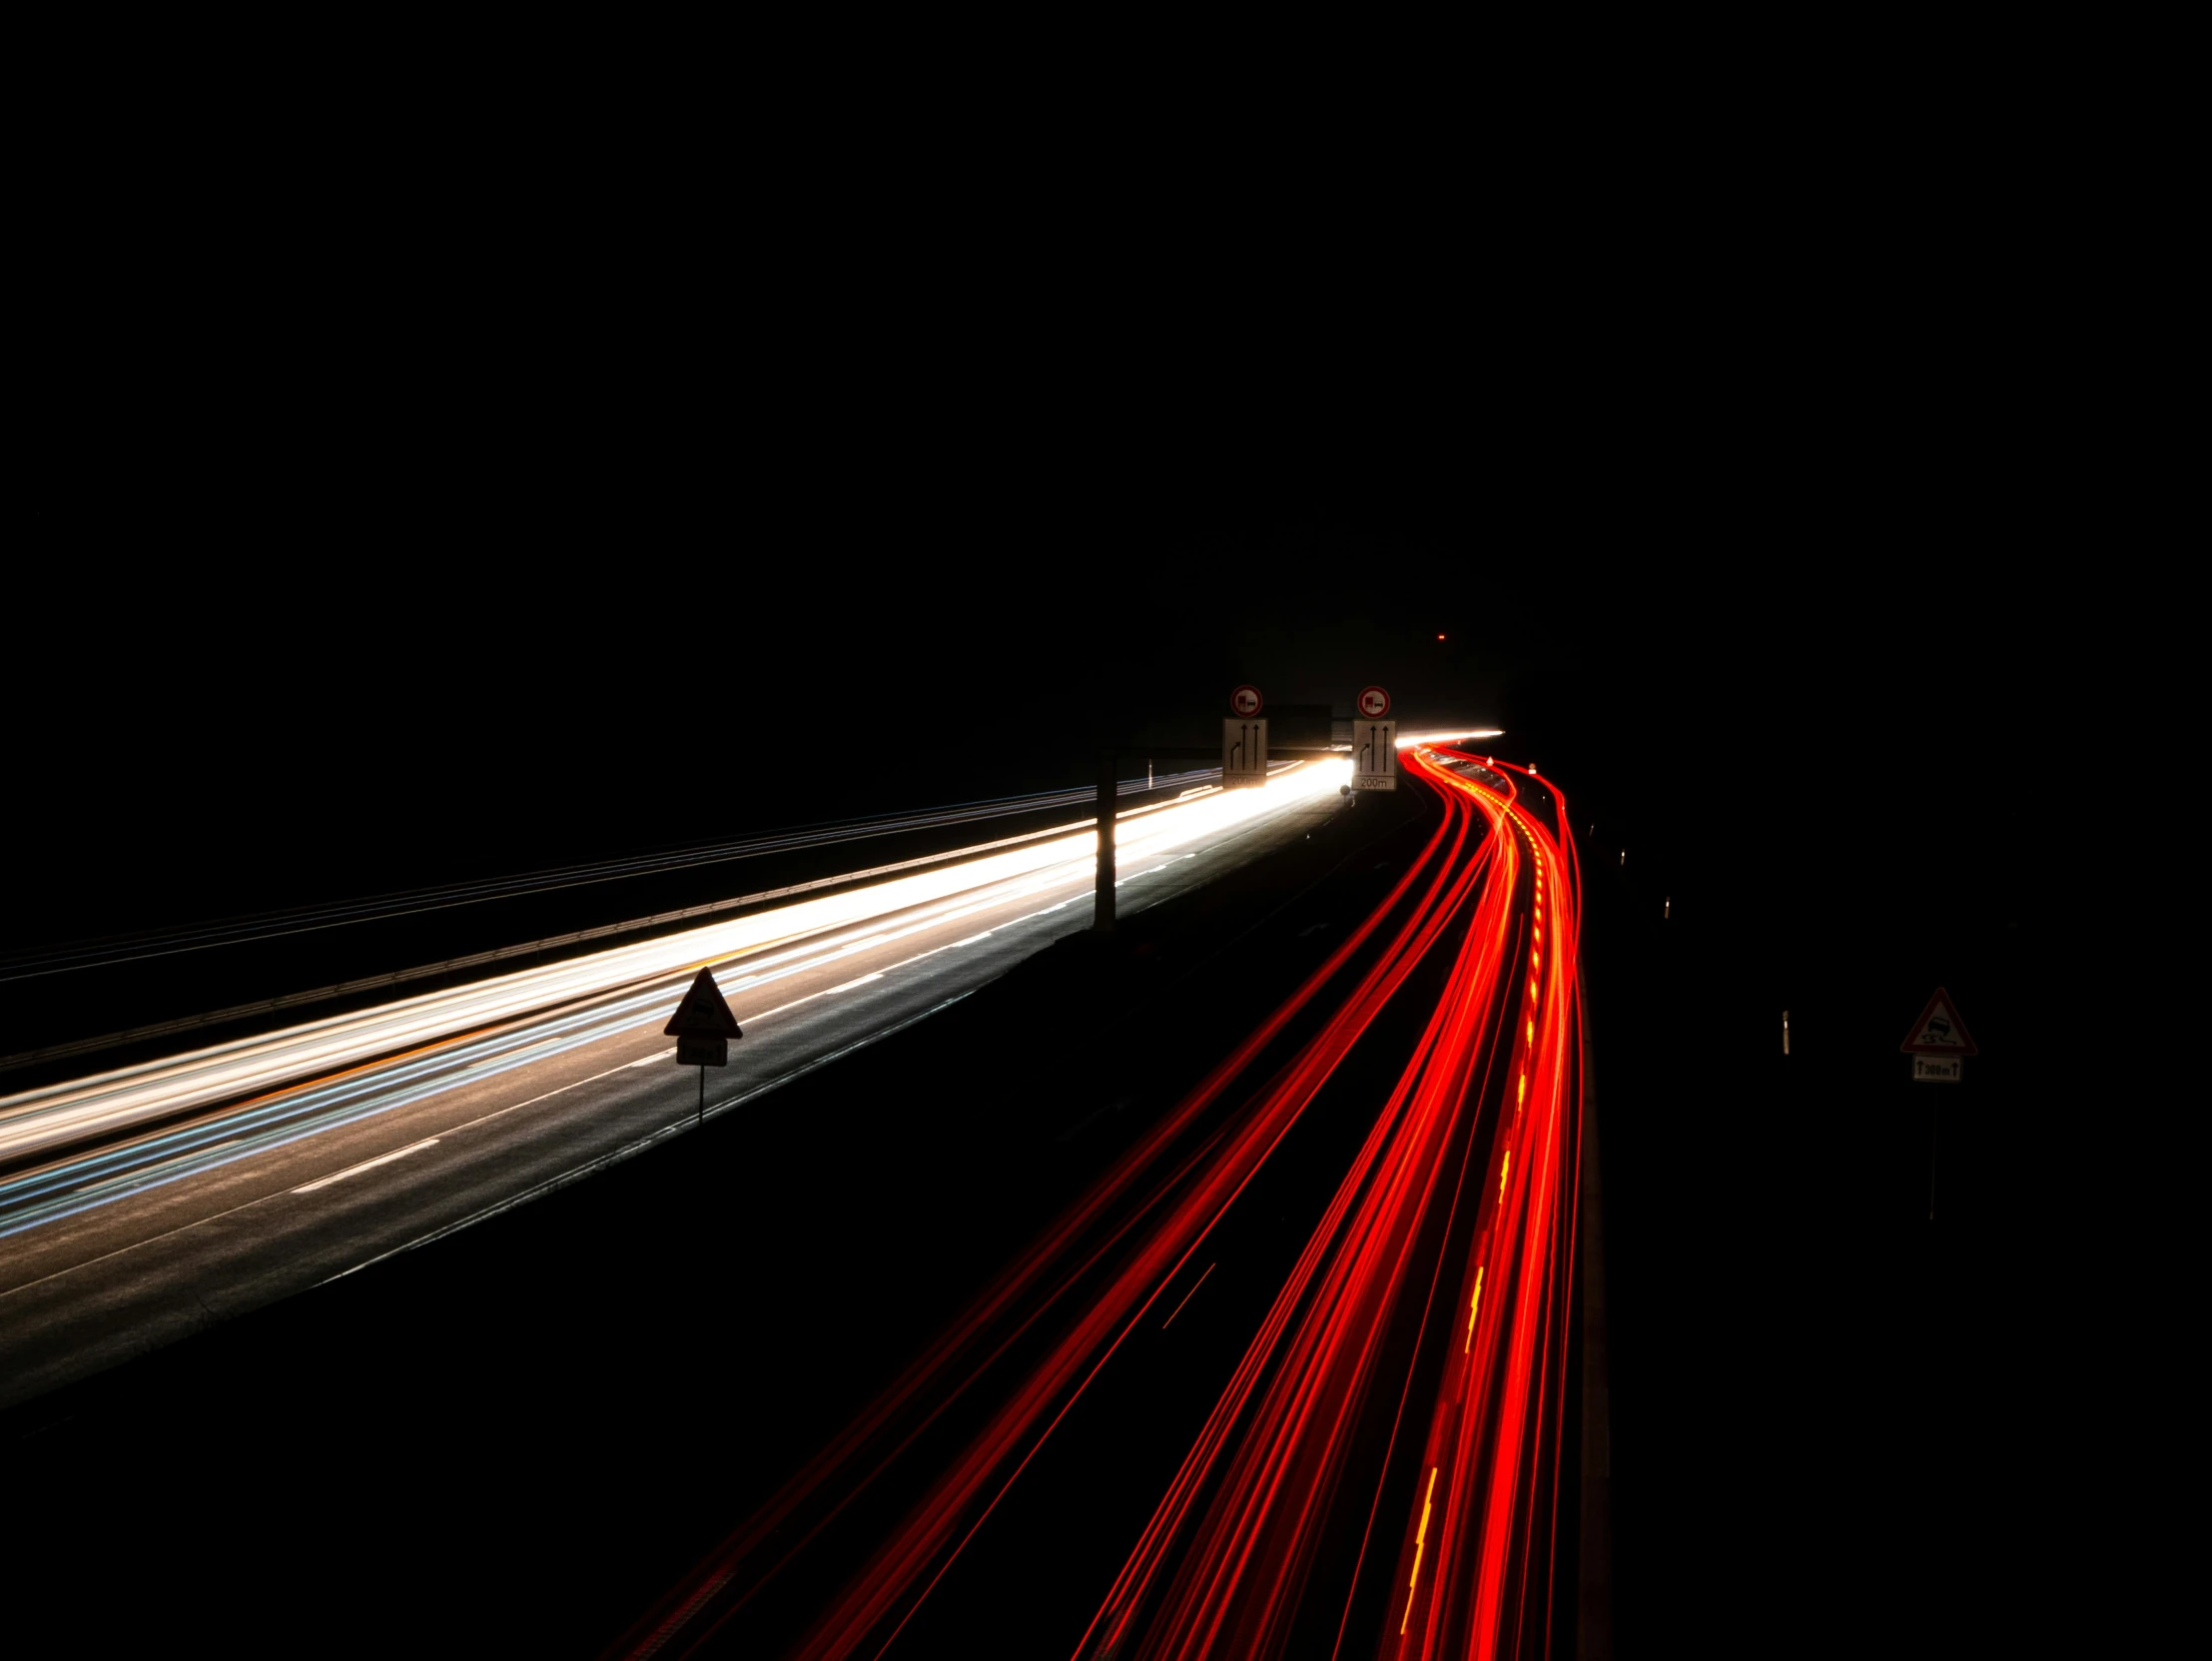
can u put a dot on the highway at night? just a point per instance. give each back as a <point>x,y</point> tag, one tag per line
<point>1290,1377</point>
<point>138,1203</point>
<point>1286,1372</point>
<point>937,917</point>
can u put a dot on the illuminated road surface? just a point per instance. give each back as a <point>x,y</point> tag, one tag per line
<point>305,1154</point>
<point>1377,1473</point>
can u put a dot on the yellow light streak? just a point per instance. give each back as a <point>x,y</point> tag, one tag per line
<point>1532,1029</point>
<point>231,1074</point>
<point>1505,1165</point>
<point>1420,1537</point>
<point>1522,1094</point>
<point>1474,1304</point>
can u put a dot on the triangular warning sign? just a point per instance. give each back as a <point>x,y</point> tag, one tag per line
<point>1939,1032</point>
<point>704,1013</point>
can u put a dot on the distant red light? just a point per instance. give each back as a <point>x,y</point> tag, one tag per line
<point>1440,637</point>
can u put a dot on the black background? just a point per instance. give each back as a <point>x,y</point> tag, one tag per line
<point>449,549</point>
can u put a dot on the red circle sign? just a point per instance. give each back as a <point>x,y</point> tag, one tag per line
<point>1374,703</point>
<point>1244,702</point>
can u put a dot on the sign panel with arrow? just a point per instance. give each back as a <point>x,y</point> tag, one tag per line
<point>1243,753</point>
<point>703,1025</point>
<point>1374,755</point>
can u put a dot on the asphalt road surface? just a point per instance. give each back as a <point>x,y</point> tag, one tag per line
<point>1293,1375</point>
<point>144,1204</point>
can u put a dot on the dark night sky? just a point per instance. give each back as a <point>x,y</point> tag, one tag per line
<point>403,537</point>
<point>298,658</point>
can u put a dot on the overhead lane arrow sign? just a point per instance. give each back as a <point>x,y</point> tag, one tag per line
<point>1939,1032</point>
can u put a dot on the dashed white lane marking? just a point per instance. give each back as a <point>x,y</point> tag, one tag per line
<point>366,1164</point>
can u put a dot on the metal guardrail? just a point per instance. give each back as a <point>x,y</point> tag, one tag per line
<point>214,934</point>
<point>501,954</point>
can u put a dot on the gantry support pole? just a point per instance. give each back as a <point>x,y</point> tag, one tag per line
<point>1103,921</point>
<point>1108,793</point>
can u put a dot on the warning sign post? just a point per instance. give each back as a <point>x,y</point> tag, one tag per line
<point>1939,1044</point>
<point>702,1028</point>
<point>1939,1032</point>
